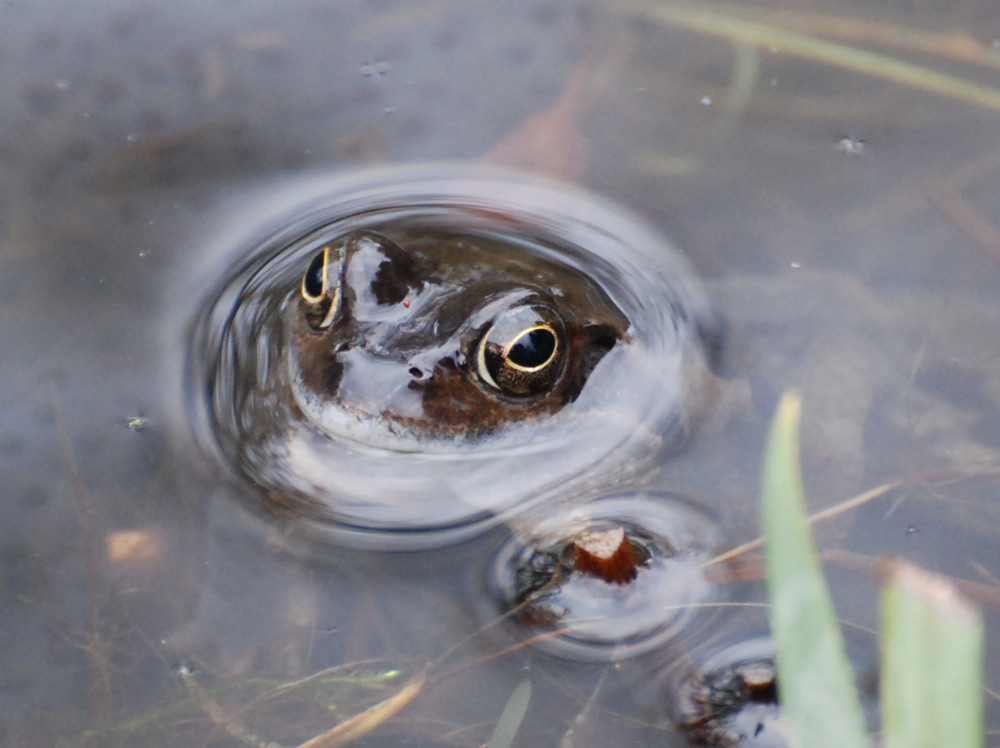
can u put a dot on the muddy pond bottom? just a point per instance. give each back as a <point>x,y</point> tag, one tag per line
<point>408,356</point>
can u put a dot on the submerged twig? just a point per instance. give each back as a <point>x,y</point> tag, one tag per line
<point>959,46</point>
<point>981,230</point>
<point>982,594</point>
<point>341,734</point>
<point>359,725</point>
<point>843,56</point>
<point>363,723</point>
<point>218,715</point>
<point>100,695</point>
<point>320,675</point>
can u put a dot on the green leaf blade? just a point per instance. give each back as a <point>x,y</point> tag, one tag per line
<point>932,656</point>
<point>815,681</point>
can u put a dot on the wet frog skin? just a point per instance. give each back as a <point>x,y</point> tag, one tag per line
<point>441,337</point>
<point>425,353</point>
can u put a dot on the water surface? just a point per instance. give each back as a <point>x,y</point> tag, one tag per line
<point>842,223</point>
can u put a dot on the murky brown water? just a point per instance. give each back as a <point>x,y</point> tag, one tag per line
<point>842,222</point>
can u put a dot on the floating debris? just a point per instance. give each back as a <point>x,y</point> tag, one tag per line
<point>136,423</point>
<point>129,546</point>
<point>607,554</point>
<point>850,145</point>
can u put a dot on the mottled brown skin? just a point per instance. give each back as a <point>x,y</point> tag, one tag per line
<point>412,312</point>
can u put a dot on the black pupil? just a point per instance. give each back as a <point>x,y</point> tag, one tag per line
<point>313,280</point>
<point>533,348</point>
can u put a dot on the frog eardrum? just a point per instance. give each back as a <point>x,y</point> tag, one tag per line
<point>415,354</point>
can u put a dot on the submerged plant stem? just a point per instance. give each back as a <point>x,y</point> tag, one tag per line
<point>361,724</point>
<point>839,55</point>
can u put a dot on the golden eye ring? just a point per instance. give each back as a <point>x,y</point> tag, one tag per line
<point>522,353</point>
<point>320,288</point>
<point>526,332</point>
<point>314,279</point>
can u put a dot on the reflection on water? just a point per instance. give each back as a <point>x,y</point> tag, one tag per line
<point>132,140</point>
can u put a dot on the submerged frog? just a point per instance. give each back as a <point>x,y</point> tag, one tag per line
<point>428,352</point>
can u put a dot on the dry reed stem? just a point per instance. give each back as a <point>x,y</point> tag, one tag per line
<point>363,723</point>
<point>833,511</point>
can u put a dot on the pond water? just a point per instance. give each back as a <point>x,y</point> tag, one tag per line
<point>841,222</point>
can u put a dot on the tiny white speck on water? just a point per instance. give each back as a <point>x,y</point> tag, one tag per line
<point>850,145</point>
<point>706,100</point>
<point>375,69</point>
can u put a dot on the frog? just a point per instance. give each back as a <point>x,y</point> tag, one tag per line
<point>460,349</point>
<point>454,349</point>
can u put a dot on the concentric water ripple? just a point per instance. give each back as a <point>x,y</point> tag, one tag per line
<point>725,693</point>
<point>385,480</point>
<point>579,615</point>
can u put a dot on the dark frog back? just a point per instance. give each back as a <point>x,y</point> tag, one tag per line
<point>418,353</point>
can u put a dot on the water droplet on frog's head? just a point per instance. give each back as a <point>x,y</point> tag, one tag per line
<point>549,582</point>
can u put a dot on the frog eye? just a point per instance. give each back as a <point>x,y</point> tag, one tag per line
<point>321,287</point>
<point>523,353</point>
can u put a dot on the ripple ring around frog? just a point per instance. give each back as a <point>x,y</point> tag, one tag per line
<point>362,460</point>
